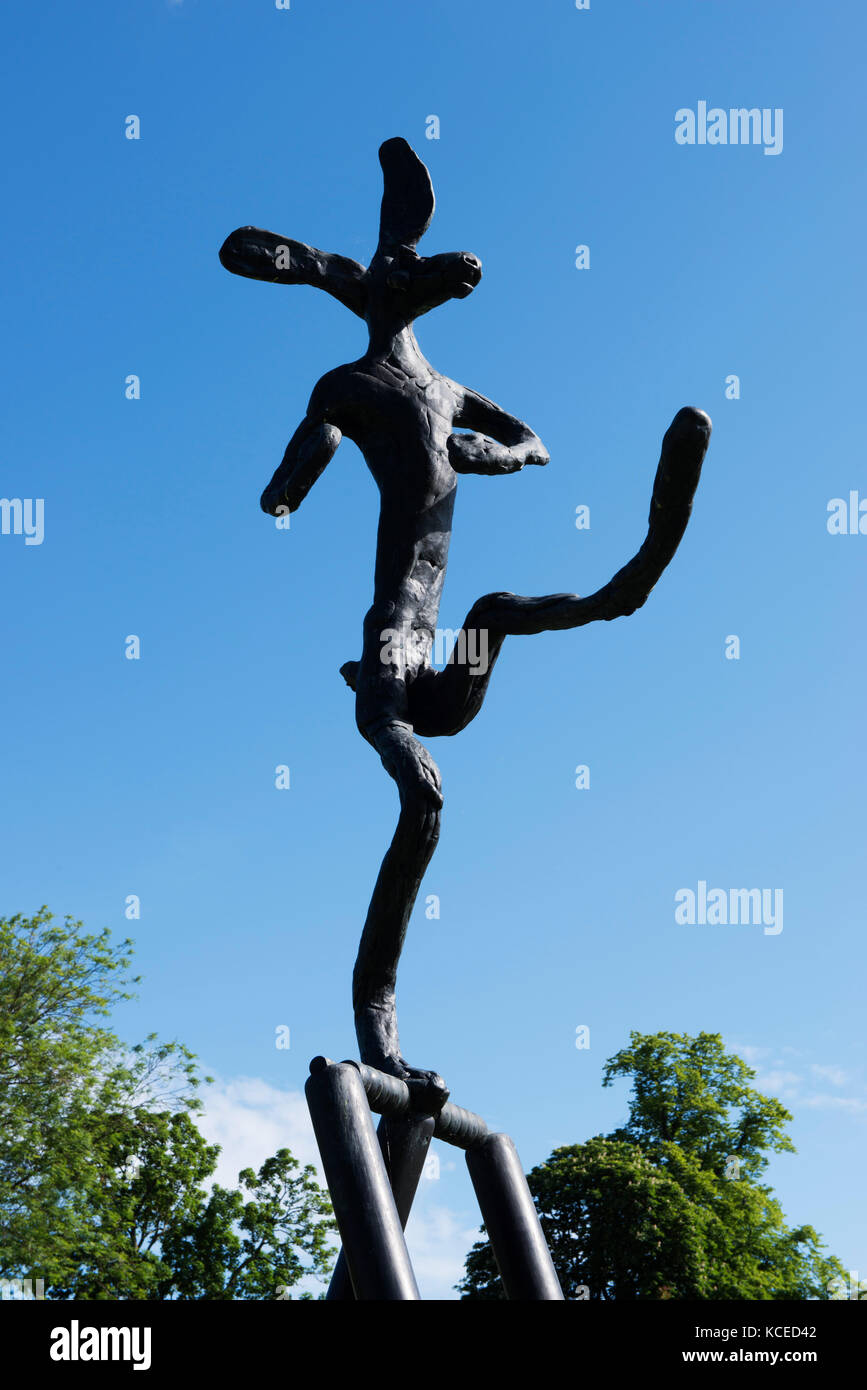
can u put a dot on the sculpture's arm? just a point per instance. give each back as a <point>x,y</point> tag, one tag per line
<point>478,453</point>
<point>310,449</point>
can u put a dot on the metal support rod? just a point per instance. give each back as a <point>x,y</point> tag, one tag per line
<point>387,1095</point>
<point>512,1222</point>
<point>364,1206</point>
<point>404,1143</point>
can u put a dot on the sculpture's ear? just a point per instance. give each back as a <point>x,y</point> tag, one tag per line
<point>281,261</point>
<point>408,199</point>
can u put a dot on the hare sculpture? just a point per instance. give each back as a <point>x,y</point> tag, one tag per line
<point>418,432</point>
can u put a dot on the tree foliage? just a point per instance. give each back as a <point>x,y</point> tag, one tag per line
<point>102,1168</point>
<point>691,1093</point>
<point>670,1205</point>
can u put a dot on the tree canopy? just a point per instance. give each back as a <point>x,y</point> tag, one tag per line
<point>670,1205</point>
<point>102,1167</point>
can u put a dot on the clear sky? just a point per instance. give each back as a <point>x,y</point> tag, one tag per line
<point>156,777</point>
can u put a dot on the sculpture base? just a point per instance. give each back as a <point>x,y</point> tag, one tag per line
<point>373,1176</point>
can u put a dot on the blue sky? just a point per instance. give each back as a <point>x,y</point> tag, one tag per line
<point>156,777</point>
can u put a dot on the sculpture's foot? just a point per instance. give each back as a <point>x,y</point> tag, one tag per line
<point>428,1090</point>
<point>376,1030</point>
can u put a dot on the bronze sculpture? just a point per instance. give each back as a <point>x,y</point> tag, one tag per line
<point>403,415</point>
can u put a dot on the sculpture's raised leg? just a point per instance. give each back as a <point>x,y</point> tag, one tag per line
<point>444,702</point>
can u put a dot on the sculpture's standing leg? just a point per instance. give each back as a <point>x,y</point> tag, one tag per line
<point>381,701</point>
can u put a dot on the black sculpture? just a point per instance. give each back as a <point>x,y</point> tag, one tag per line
<point>403,415</point>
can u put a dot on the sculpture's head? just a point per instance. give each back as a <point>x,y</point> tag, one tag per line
<point>399,284</point>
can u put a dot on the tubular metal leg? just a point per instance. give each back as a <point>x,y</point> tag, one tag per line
<point>404,1144</point>
<point>510,1216</point>
<point>355,1171</point>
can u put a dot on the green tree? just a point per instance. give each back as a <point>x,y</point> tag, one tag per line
<point>691,1093</point>
<point>101,1164</point>
<point>155,1234</point>
<point>253,1246</point>
<point>669,1205</point>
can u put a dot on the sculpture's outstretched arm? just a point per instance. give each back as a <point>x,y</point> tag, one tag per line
<point>478,453</point>
<point>261,255</point>
<point>311,448</point>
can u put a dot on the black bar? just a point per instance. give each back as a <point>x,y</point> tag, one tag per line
<point>512,1222</point>
<point>367,1217</point>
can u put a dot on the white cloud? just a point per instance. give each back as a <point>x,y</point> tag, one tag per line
<point>779,1083</point>
<point>438,1240</point>
<point>251,1120</point>
<point>836,1075</point>
<point>774,1077</point>
<point>851,1104</point>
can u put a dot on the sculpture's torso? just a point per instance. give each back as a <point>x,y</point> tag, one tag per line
<point>400,414</point>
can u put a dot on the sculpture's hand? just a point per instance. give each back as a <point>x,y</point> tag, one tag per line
<point>476,453</point>
<point>310,449</point>
<point>532,451</point>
